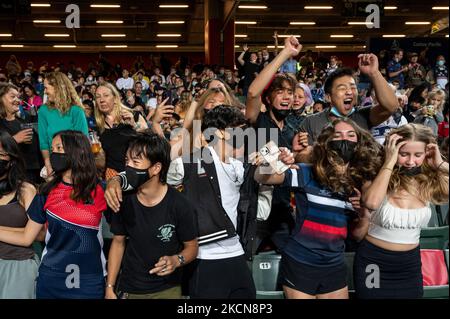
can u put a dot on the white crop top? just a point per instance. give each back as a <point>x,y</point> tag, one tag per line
<point>398,225</point>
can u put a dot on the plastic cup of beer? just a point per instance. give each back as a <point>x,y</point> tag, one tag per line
<point>25,126</point>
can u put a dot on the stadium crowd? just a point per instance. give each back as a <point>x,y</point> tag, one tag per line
<point>192,170</point>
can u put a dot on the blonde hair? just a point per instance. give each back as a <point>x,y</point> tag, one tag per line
<point>432,184</point>
<point>206,95</point>
<point>116,111</point>
<point>65,94</point>
<point>440,93</point>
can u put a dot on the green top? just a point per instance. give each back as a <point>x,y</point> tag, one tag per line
<point>51,121</point>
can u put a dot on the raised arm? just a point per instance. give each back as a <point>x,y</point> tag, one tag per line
<point>291,49</point>
<point>388,103</point>
<point>375,192</point>
<point>177,143</point>
<point>241,56</point>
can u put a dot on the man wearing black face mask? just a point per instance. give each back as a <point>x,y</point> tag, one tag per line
<point>276,92</point>
<point>156,216</point>
<point>225,197</point>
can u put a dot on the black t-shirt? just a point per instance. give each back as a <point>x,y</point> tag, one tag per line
<point>285,138</point>
<point>31,152</point>
<point>152,232</point>
<point>115,144</point>
<point>249,72</point>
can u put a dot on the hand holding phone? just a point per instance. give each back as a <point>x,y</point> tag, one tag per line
<point>270,152</point>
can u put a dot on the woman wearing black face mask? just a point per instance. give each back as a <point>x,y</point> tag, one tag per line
<point>71,205</point>
<point>328,203</point>
<point>413,176</point>
<point>18,265</point>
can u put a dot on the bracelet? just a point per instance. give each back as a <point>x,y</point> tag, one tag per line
<point>439,166</point>
<point>388,168</point>
<point>109,286</point>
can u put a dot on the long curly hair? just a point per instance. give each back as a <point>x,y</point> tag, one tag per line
<point>430,185</point>
<point>328,166</point>
<point>65,94</point>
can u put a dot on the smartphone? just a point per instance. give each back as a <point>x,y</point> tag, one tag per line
<point>167,94</point>
<point>270,153</point>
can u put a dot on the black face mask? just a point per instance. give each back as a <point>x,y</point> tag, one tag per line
<point>4,167</point>
<point>280,115</point>
<point>136,177</point>
<point>411,171</point>
<point>344,148</point>
<point>60,162</point>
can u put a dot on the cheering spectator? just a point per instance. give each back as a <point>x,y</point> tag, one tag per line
<point>342,94</point>
<point>250,67</point>
<point>156,216</point>
<point>413,177</point>
<point>327,195</point>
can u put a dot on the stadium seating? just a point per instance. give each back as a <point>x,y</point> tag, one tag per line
<point>265,269</point>
<point>434,238</point>
<point>435,274</point>
<point>38,247</point>
<point>349,259</point>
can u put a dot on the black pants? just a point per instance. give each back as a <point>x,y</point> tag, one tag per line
<point>400,273</point>
<point>221,279</point>
<point>277,227</point>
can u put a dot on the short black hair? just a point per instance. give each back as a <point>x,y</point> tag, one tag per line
<point>222,117</point>
<point>89,103</point>
<point>417,99</point>
<point>89,94</point>
<point>339,73</point>
<point>153,147</point>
